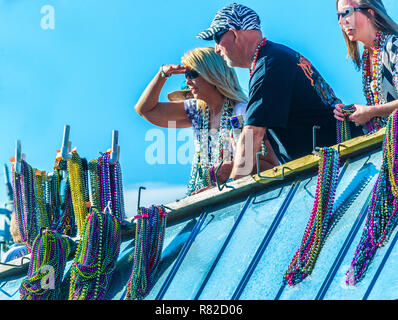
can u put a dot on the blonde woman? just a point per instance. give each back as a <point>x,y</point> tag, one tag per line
<point>217,96</point>
<point>367,22</point>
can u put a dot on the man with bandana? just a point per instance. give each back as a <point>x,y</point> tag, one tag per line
<point>287,95</point>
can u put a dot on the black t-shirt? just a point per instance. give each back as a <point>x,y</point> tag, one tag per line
<point>288,95</point>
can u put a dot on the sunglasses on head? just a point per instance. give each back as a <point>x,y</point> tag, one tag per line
<point>191,74</point>
<point>217,37</point>
<point>347,12</point>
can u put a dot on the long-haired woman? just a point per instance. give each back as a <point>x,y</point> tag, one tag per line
<point>217,96</point>
<point>367,22</point>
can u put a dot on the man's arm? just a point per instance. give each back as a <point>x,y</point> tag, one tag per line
<point>248,146</point>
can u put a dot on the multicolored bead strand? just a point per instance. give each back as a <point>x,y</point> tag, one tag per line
<point>25,202</point>
<point>78,192</point>
<point>94,184</point>
<point>66,223</point>
<point>53,196</point>
<point>382,217</point>
<point>43,218</point>
<point>317,228</point>
<point>343,127</point>
<point>372,79</point>
<point>96,257</point>
<point>149,237</point>
<point>46,269</point>
<point>110,186</point>
<point>206,156</point>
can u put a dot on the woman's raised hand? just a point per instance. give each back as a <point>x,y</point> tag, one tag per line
<point>169,69</point>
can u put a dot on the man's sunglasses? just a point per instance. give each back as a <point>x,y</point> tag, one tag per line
<point>217,37</point>
<point>347,12</point>
<point>191,74</point>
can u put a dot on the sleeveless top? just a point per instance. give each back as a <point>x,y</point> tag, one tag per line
<point>201,163</point>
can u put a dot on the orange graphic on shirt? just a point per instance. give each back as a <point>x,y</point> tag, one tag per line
<point>307,68</point>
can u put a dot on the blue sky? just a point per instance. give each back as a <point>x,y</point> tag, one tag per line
<point>90,69</point>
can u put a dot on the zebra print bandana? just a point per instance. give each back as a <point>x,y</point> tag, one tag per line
<point>235,16</point>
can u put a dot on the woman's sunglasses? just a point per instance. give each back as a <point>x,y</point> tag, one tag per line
<point>347,12</point>
<point>191,74</point>
<point>217,37</point>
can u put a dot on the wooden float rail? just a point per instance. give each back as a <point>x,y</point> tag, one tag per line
<point>192,206</point>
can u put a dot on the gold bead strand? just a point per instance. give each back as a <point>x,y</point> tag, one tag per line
<point>75,172</point>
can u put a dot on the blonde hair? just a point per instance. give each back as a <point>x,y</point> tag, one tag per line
<point>215,70</point>
<point>381,21</point>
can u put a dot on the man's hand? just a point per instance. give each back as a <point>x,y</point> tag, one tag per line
<point>224,171</point>
<point>223,175</point>
<point>338,113</point>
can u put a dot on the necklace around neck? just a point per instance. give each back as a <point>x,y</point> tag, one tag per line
<point>254,62</point>
<point>372,77</point>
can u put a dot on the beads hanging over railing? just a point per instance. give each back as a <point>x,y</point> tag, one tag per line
<point>96,257</point>
<point>24,202</point>
<point>382,216</point>
<point>304,260</point>
<point>50,252</point>
<point>78,190</point>
<point>110,186</point>
<point>149,236</point>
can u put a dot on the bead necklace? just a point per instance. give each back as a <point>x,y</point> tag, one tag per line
<point>94,184</point>
<point>203,159</point>
<point>254,62</point>
<point>149,238</point>
<point>96,257</point>
<point>107,186</point>
<point>24,202</point>
<point>343,127</point>
<point>78,192</point>
<point>372,79</point>
<point>381,218</point>
<point>317,228</point>
<point>65,223</point>
<point>50,252</point>
<point>53,197</point>
<point>43,218</point>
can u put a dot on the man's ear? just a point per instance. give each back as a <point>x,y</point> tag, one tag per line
<point>371,11</point>
<point>235,32</point>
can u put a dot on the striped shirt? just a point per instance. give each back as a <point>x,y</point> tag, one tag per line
<point>390,69</point>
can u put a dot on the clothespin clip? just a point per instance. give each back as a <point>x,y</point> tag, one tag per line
<point>43,174</point>
<point>66,145</point>
<point>115,151</point>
